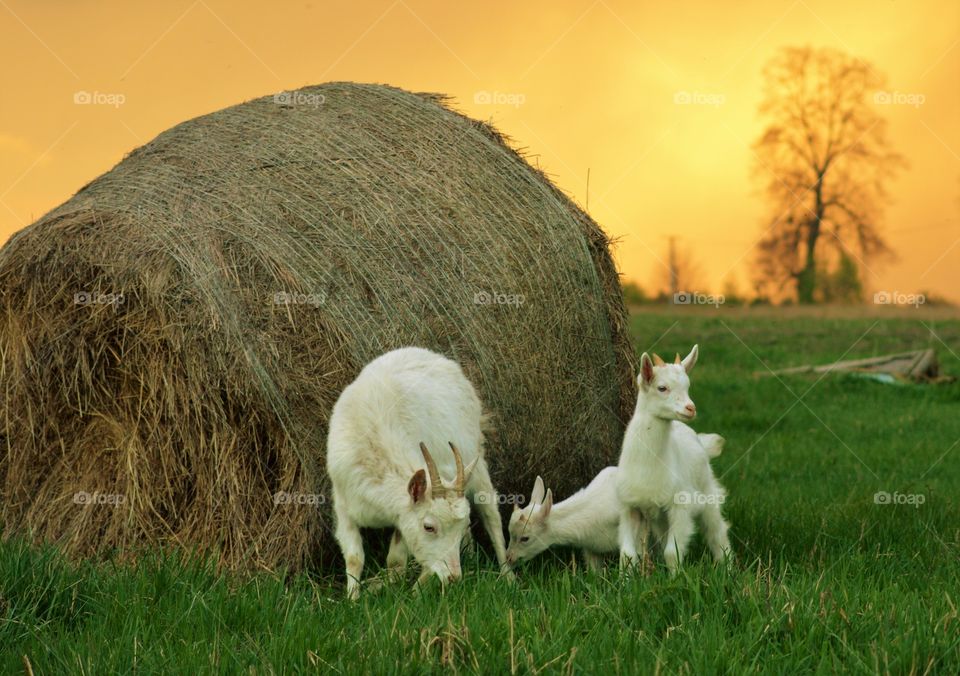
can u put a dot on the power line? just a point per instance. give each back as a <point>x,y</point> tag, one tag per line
<point>924,228</point>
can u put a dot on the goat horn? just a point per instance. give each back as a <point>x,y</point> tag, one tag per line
<point>436,487</point>
<point>657,361</point>
<point>458,484</point>
<point>677,360</point>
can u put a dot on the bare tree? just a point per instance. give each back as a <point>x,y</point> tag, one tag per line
<point>824,161</point>
<point>678,271</point>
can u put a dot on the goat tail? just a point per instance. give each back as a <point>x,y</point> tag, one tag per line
<point>712,444</point>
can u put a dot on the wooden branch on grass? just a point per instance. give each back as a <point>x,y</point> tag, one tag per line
<point>914,365</point>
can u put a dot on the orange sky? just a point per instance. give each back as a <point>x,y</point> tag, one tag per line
<point>587,84</point>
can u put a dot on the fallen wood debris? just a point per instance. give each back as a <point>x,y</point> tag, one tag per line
<point>903,367</point>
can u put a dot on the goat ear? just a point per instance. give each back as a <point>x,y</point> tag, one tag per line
<point>691,359</point>
<point>537,495</point>
<point>417,488</point>
<point>547,505</point>
<point>646,371</point>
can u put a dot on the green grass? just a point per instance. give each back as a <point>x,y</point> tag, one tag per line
<point>825,579</point>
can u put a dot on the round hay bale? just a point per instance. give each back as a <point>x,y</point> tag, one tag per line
<point>175,335</point>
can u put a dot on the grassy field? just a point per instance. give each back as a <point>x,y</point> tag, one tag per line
<point>825,579</point>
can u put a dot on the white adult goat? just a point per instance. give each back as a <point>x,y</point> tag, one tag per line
<point>402,404</point>
<point>665,477</point>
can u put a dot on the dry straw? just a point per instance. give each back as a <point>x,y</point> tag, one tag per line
<point>174,336</point>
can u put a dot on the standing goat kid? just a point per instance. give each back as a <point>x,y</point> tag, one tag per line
<point>402,404</point>
<point>665,478</point>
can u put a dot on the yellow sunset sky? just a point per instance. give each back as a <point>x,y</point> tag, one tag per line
<point>595,85</point>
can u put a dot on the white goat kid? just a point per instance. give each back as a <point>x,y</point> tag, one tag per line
<point>403,403</point>
<point>587,519</point>
<point>665,478</point>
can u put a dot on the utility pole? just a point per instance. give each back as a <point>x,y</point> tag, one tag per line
<point>673,266</point>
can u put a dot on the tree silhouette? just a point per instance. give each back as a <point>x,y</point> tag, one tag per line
<point>824,161</point>
<point>678,271</point>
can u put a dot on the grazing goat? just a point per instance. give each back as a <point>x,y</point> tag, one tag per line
<point>401,405</point>
<point>587,519</point>
<point>665,478</point>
